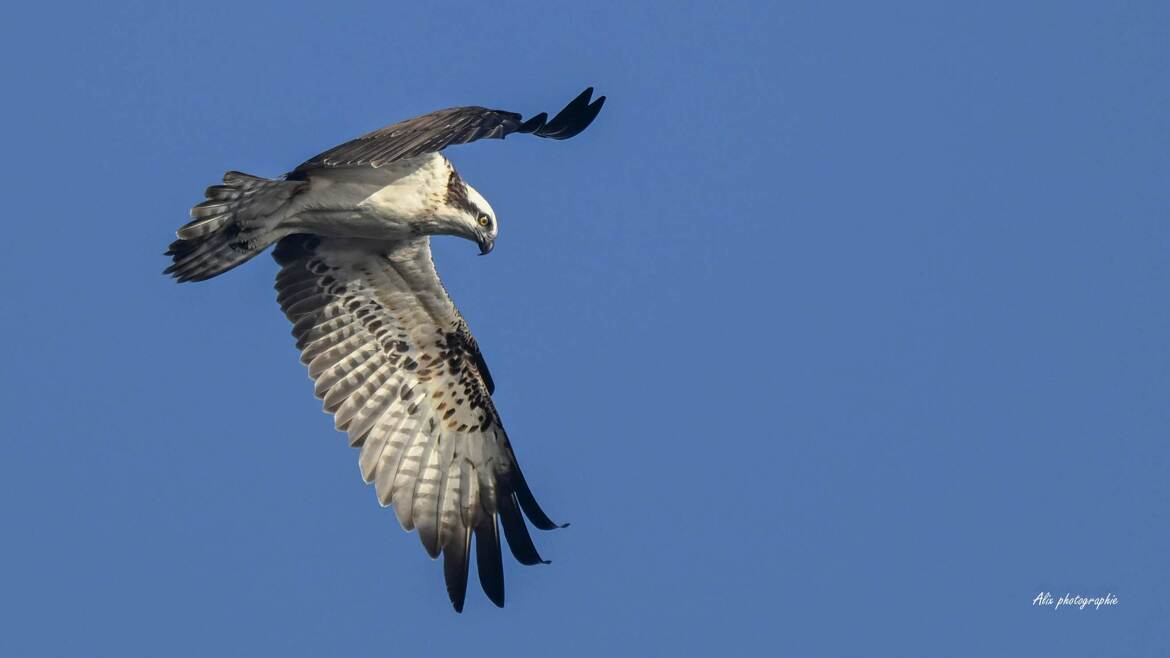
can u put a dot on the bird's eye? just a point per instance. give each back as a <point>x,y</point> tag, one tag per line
<point>484,220</point>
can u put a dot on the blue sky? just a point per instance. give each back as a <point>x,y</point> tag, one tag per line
<point>842,331</point>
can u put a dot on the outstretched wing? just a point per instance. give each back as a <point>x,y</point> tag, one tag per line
<point>397,367</point>
<point>456,125</point>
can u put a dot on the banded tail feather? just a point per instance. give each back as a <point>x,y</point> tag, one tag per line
<point>234,223</point>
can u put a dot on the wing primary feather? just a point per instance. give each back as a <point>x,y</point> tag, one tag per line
<point>425,501</point>
<point>455,562</point>
<point>409,468</point>
<point>528,503</point>
<point>488,560</point>
<point>568,114</point>
<point>519,541</point>
<point>386,483</point>
<point>574,118</point>
<point>533,124</point>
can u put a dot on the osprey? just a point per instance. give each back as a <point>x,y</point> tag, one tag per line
<point>391,356</point>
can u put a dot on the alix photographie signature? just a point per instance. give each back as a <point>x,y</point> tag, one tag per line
<point>1074,601</point>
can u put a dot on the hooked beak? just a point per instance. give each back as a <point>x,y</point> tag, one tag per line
<point>486,245</point>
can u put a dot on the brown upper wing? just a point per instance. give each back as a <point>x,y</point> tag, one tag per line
<point>456,125</point>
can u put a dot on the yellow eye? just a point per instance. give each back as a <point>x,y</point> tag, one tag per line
<point>484,221</point>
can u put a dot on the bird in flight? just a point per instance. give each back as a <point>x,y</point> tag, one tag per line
<point>392,358</point>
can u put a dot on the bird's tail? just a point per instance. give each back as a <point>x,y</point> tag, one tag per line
<point>236,221</point>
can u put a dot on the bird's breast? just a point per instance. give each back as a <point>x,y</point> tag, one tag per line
<point>400,200</point>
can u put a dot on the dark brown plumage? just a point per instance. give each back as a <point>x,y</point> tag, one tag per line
<point>455,125</point>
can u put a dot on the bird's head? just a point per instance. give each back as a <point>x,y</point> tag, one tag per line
<point>467,214</point>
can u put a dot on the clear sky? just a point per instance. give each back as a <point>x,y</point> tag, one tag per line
<point>843,331</point>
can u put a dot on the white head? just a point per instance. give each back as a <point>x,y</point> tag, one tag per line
<point>465,213</point>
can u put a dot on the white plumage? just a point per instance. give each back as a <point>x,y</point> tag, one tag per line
<point>391,357</point>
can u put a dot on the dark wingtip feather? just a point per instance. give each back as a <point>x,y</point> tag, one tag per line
<point>455,564</point>
<point>516,532</point>
<point>595,107</point>
<point>584,118</point>
<point>533,124</point>
<point>489,561</point>
<point>583,97</point>
<point>528,503</point>
<point>568,118</point>
<point>573,118</point>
